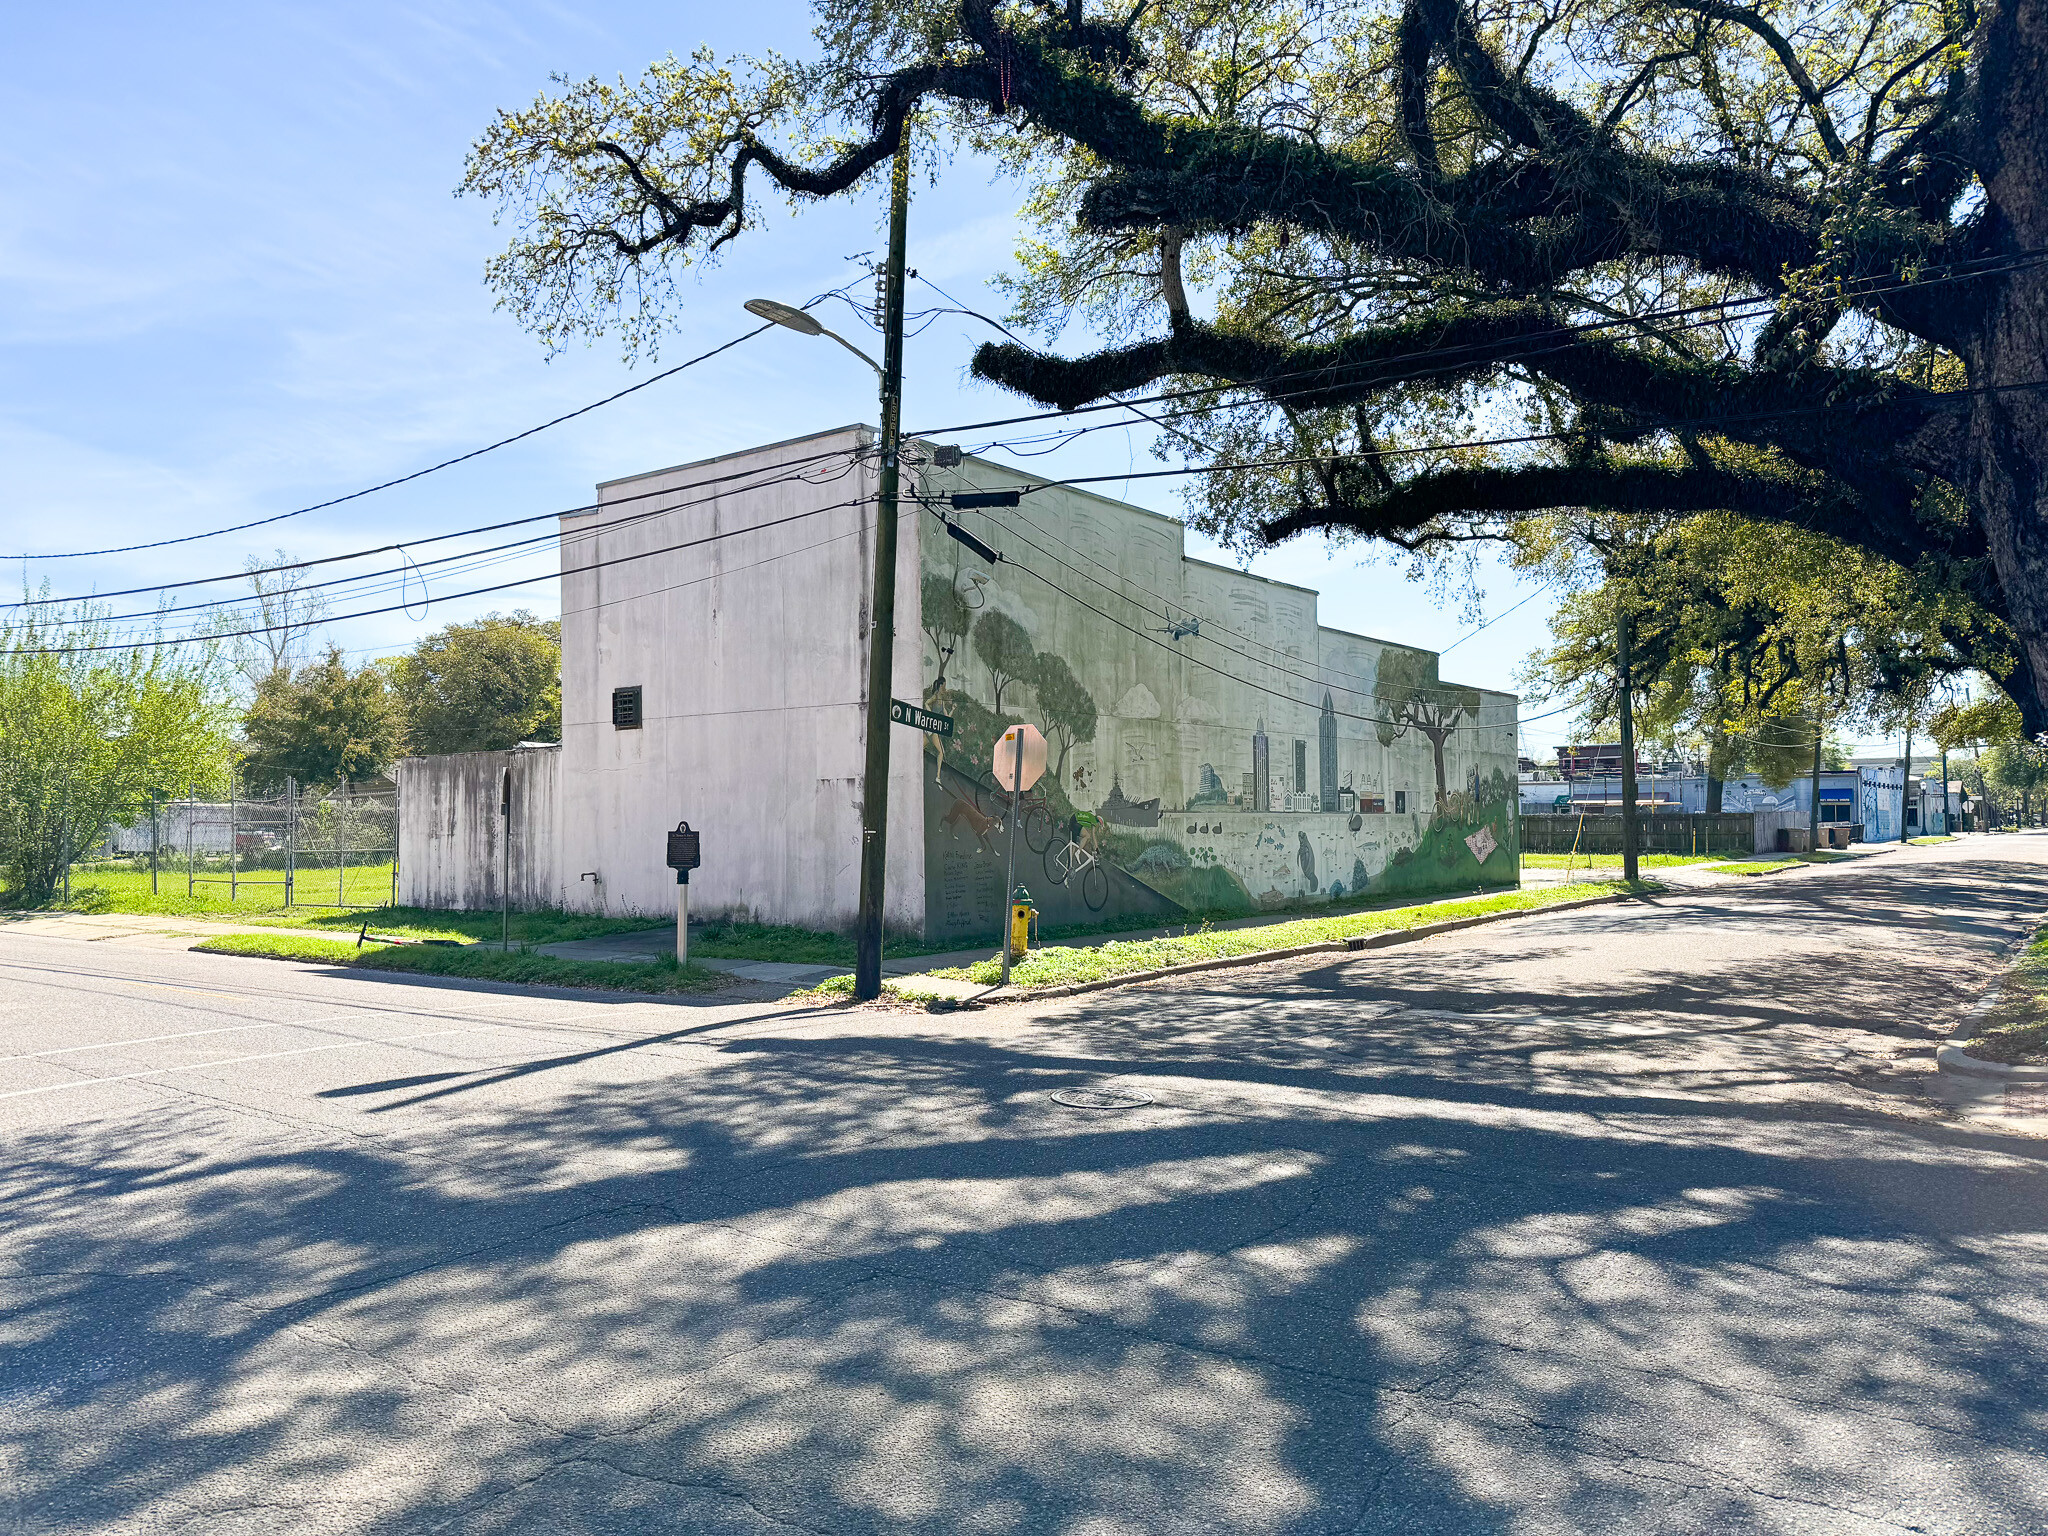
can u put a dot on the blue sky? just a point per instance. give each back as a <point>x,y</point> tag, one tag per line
<point>234,280</point>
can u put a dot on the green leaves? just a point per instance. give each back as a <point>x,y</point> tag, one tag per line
<point>1367,230</point>
<point>605,175</point>
<point>1749,634</point>
<point>87,736</point>
<point>322,724</point>
<point>482,687</point>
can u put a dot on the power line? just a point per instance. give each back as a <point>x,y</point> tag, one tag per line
<point>1493,621</point>
<point>1448,359</point>
<point>1670,425</point>
<point>1239,467</point>
<point>371,490</point>
<point>162,641</point>
<point>1322,678</point>
<point>1078,480</point>
<point>1251,640</point>
<point>1285,698</point>
<point>564,540</point>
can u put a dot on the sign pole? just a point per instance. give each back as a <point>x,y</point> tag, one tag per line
<point>682,917</point>
<point>1010,863</point>
<point>505,863</point>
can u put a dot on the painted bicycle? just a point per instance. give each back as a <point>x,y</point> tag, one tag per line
<point>1077,860</point>
<point>993,800</point>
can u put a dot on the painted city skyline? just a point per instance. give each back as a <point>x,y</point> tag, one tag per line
<point>1165,685</point>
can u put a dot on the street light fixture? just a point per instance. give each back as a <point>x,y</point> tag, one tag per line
<point>874,797</point>
<point>803,323</point>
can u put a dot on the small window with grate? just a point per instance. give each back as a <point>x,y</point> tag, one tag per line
<point>626,709</point>
<point>1400,802</point>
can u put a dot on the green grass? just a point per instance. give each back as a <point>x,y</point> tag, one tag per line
<point>788,946</point>
<point>839,989</point>
<point>802,946</point>
<point>1058,965</point>
<point>126,889</point>
<point>2014,1030</point>
<point>472,962</point>
<point>1613,860</point>
<point>1922,842</point>
<point>1772,866</point>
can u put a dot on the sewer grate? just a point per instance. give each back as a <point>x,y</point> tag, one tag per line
<point>1100,1098</point>
<point>2029,1100</point>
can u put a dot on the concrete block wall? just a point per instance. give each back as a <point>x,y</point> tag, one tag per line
<point>451,837</point>
<point>735,594</point>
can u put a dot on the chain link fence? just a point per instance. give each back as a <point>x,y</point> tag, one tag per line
<point>318,848</point>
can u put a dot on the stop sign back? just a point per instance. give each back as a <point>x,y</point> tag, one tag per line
<point>1005,756</point>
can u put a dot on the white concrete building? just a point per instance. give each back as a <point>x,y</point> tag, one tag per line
<point>714,669</point>
<point>715,623</point>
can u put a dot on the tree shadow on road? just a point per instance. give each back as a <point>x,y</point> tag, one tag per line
<point>884,1282</point>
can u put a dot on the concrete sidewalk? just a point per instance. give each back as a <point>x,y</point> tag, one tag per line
<point>654,943</point>
<point>1703,875</point>
<point>149,930</point>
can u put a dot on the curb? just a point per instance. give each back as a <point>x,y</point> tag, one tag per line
<point>1325,947</point>
<point>1957,1062</point>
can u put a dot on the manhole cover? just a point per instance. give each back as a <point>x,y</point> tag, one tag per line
<point>1100,1098</point>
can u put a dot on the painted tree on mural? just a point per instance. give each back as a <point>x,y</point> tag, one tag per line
<point>944,615</point>
<point>1400,212</point>
<point>1006,650</point>
<point>1408,696</point>
<point>1067,708</point>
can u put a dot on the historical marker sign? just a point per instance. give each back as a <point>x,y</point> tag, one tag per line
<point>923,719</point>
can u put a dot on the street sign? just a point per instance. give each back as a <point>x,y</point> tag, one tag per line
<point>923,719</point>
<point>1005,757</point>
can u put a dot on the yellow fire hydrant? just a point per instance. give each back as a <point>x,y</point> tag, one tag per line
<point>1022,915</point>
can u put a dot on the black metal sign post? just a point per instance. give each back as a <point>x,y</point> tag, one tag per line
<point>685,853</point>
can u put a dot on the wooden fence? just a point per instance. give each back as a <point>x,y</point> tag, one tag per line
<point>1683,832</point>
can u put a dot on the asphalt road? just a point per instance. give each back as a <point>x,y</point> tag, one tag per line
<point>1626,1219</point>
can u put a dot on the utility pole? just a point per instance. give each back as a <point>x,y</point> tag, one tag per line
<point>1947,827</point>
<point>874,798</point>
<point>1813,807</point>
<point>1630,862</point>
<point>1906,779</point>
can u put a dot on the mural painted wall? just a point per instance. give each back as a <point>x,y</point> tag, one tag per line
<point>1211,748</point>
